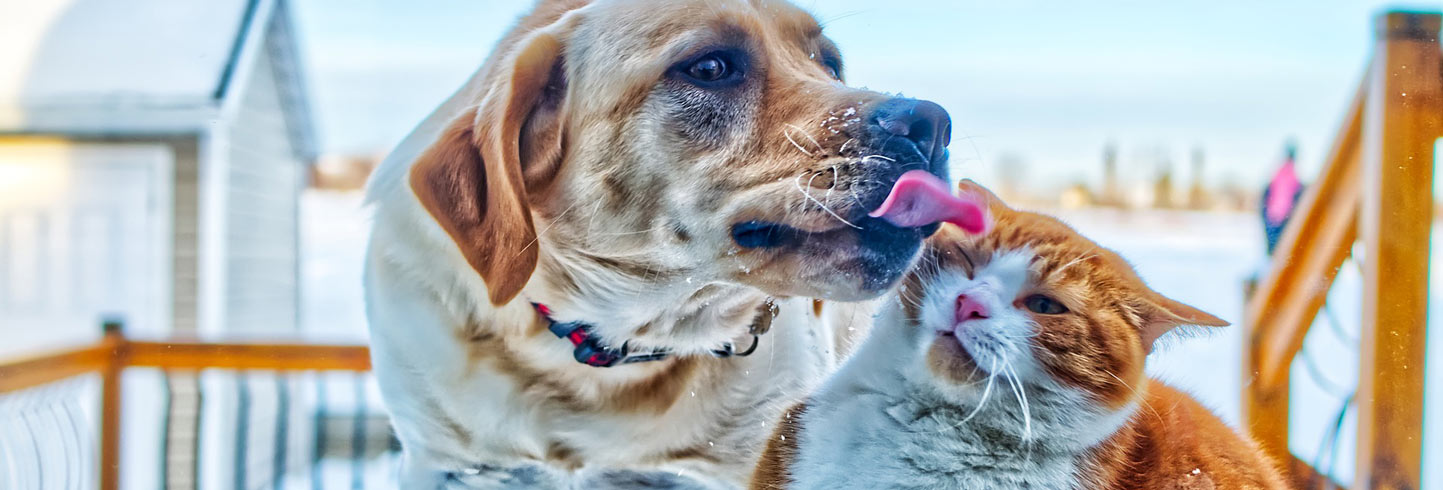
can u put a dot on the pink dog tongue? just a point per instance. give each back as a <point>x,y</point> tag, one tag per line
<point>920,198</point>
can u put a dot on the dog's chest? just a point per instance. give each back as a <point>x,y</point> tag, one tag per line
<point>503,439</point>
<point>517,423</point>
<point>707,434</point>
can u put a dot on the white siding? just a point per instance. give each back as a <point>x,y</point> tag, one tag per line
<point>84,232</point>
<point>262,226</point>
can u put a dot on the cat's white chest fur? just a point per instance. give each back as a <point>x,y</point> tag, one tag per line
<point>876,441</point>
<point>875,425</point>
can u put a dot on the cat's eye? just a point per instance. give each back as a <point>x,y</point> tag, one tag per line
<point>1043,305</point>
<point>971,267</point>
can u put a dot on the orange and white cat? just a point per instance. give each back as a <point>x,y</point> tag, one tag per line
<point>1013,359</point>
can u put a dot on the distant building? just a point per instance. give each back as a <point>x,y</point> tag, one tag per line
<point>1111,194</point>
<point>1162,188</point>
<point>1076,196</point>
<point>152,153</point>
<point>1197,193</point>
<point>343,172</point>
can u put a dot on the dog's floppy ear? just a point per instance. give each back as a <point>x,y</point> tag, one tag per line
<point>474,179</point>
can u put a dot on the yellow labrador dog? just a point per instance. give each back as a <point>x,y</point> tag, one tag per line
<point>575,257</point>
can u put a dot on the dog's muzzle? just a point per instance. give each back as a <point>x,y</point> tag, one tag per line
<point>900,135</point>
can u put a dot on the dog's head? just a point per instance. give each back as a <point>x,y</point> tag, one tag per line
<point>711,141</point>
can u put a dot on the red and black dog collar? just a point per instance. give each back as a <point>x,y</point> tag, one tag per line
<point>588,349</point>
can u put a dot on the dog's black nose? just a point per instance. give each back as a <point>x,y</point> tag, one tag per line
<point>923,122</point>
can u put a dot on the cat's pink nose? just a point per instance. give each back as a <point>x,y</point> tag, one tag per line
<point>969,308</point>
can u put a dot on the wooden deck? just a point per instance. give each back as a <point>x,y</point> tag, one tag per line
<point>111,356</point>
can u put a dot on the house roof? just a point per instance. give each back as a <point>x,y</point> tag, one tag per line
<point>140,66</point>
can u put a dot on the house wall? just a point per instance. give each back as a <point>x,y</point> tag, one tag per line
<point>84,233</point>
<point>185,236</point>
<point>262,211</point>
<point>251,178</point>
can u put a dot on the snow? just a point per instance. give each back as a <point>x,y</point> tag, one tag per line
<point>334,229</point>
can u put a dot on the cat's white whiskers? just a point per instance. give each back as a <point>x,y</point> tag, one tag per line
<point>915,302</point>
<point>986,392</point>
<point>981,401</point>
<point>1021,395</point>
<point>1023,336</point>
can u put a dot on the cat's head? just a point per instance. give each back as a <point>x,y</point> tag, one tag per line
<point>1032,300</point>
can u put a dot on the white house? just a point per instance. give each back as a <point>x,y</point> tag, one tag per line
<point>152,154</point>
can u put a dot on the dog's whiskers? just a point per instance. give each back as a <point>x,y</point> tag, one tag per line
<point>798,183</point>
<point>547,228</point>
<point>855,198</point>
<point>853,189</point>
<point>809,137</point>
<point>591,225</point>
<point>638,232</point>
<point>830,188</point>
<point>788,134</point>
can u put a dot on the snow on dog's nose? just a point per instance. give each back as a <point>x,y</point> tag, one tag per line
<point>920,198</point>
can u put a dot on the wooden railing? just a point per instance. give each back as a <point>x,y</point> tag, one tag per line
<point>114,353</point>
<point>1375,187</point>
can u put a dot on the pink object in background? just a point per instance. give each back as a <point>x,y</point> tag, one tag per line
<point>1282,193</point>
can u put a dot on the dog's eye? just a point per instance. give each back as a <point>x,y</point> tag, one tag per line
<point>710,68</point>
<point>1044,305</point>
<point>833,70</point>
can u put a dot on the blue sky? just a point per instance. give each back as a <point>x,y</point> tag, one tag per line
<point>1048,84</point>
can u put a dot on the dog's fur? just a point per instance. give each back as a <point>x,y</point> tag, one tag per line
<point>576,169</point>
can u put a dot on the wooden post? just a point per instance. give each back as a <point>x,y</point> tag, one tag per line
<point>110,404</point>
<point>1404,119</point>
<point>1319,237</point>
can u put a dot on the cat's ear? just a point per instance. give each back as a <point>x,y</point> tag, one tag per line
<point>1161,315</point>
<point>967,187</point>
